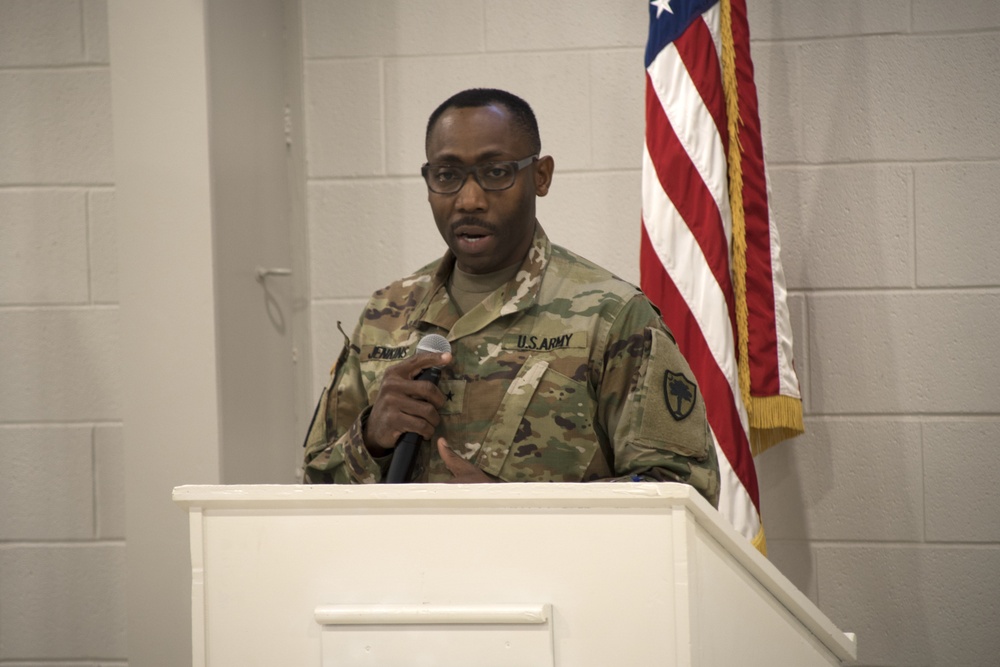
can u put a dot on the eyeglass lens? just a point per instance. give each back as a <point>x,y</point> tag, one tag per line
<point>449,179</point>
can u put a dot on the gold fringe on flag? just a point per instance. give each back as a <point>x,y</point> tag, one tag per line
<point>772,418</point>
<point>736,200</point>
<point>759,542</point>
<point>739,222</point>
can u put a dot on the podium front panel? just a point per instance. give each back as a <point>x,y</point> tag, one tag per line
<point>267,571</point>
<point>617,569</point>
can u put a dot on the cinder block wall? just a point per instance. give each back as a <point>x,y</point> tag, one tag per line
<point>883,124</point>
<point>882,128</point>
<point>62,504</point>
<point>884,146</point>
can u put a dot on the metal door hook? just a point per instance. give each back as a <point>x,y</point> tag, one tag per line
<point>263,273</point>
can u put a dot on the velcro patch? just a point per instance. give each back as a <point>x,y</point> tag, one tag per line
<point>679,422</point>
<point>532,342</point>
<point>681,394</point>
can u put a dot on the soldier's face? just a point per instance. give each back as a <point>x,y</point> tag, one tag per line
<point>487,230</point>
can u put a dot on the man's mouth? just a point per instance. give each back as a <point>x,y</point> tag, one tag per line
<point>473,242</point>
<point>472,233</point>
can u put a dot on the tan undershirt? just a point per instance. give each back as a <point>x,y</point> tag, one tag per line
<point>469,289</point>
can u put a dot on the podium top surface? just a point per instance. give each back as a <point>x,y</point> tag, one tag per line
<point>598,494</point>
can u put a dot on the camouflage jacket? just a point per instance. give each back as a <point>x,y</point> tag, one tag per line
<point>564,374</point>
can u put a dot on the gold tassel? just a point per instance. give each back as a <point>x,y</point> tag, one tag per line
<point>739,259</point>
<point>760,542</point>
<point>774,419</point>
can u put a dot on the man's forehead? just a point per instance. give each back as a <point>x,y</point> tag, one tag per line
<point>475,133</point>
<point>496,112</point>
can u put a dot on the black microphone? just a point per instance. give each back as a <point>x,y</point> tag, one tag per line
<point>406,446</point>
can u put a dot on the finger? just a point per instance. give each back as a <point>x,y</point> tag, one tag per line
<point>462,471</point>
<point>410,424</point>
<point>428,394</point>
<point>445,451</point>
<point>413,366</point>
<point>452,461</point>
<point>394,414</point>
<point>402,394</point>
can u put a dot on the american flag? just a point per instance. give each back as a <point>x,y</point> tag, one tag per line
<point>710,254</point>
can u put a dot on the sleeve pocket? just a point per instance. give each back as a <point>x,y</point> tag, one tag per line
<point>669,406</point>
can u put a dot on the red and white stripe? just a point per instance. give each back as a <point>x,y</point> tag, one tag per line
<point>686,244</point>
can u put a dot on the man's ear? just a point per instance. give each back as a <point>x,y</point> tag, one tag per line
<point>543,175</point>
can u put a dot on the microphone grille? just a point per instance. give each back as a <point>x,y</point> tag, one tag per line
<point>434,343</point>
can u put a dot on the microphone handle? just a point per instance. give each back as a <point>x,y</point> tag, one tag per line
<point>408,443</point>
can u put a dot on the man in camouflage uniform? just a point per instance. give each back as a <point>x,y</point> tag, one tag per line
<point>559,371</point>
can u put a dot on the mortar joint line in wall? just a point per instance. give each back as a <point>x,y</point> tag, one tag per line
<point>382,110</point>
<point>569,50</point>
<point>57,306</point>
<point>361,178</point>
<point>923,486</point>
<point>68,423</point>
<point>91,543</point>
<point>908,34</point>
<point>909,417</point>
<point>950,290</point>
<point>805,41</point>
<point>94,527</point>
<point>87,235</point>
<point>806,391</point>
<point>482,23</point>
<point>923,545</point>
<point>89,661</point>
<point>63,187</point>
<point>57,67</point>
<point>915,247</point>
<point>914,162</point>
<point>83,28</point>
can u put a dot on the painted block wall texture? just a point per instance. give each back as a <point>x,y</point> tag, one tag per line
<point>62,565</point>
<point>880,122</point>
<point>885,145</point>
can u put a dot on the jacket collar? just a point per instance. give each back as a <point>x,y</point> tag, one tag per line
<point>518,294</point>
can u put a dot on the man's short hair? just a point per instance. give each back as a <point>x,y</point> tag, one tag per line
<point>523,116</point>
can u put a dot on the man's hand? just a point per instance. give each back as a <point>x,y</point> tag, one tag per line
<point>405,404</point>
<point>463,471</point>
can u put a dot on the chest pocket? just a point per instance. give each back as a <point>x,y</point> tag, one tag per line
<point>543,430</point>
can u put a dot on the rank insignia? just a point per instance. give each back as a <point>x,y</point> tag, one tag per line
<point>680,394</point>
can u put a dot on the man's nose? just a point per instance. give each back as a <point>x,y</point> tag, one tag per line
<point>471,196</point>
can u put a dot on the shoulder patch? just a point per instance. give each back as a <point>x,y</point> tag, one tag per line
<point>680,393</point>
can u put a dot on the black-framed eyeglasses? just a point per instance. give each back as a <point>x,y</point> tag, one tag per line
<point>447,179</point>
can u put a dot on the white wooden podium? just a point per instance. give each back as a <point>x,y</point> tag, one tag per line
<point>494,575</point>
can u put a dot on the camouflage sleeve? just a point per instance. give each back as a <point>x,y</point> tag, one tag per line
<point>651,407</point>
<point>335,451</point>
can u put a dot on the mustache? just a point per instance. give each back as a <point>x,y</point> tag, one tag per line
<point>473,221</point>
